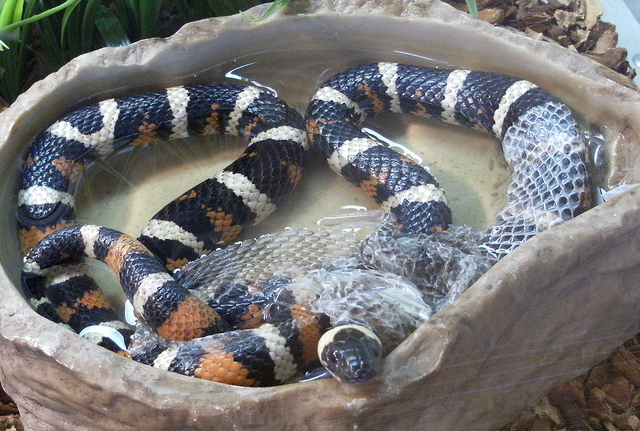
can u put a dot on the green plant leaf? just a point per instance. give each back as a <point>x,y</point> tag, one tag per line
<point>35,18</point>
<point>65,19</point>
<point>88,24</point>
<point>110,28</point>
<point>222,7</point>
<point>149,14</point>
<point>472,7</point>
<point>7,12</point>
<point>17,13</point>
<point>276,5</point>
<point>128,15</point>
<point>51,54</point>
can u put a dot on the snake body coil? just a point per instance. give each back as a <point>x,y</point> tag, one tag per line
<point>202,218</point>
<point>540,140</point>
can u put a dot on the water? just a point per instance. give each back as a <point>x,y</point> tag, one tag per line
<point>125,190</point>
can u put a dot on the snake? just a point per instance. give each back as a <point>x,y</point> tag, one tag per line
<point>541,142</point>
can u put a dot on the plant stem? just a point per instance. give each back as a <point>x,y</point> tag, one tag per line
<point>34,18</point>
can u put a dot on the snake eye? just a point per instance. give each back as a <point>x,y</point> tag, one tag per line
<point>273,309</point>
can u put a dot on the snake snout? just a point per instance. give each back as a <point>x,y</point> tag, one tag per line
<point>352,353</point>
<point>359,368</point>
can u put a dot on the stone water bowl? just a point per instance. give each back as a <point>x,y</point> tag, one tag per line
<point>542,315</point>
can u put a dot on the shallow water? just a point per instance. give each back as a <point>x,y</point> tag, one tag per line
<point>142,180</point>
<point>126,189</point>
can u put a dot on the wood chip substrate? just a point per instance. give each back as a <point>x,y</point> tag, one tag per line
<point>574,24</point>
<point>605,398</point>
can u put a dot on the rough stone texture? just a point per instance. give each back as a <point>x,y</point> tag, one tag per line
<point>545,313</point>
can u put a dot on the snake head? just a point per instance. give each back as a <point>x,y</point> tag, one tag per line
<point>352,353</point>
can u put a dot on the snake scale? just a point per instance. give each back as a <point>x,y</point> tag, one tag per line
<point>239,342</point>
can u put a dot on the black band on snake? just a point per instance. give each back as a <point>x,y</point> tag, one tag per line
<point>210,214</point>
<point>541,142</point>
